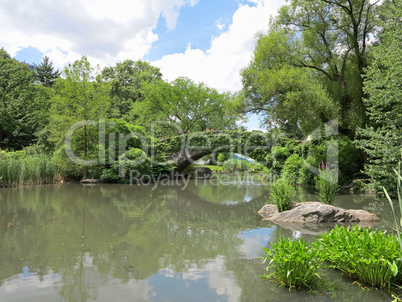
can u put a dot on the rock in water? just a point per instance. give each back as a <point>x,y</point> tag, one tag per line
<point>315,212</point>
<point>204,172</point>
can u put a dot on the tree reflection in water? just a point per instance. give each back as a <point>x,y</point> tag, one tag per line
<point>113,241</point>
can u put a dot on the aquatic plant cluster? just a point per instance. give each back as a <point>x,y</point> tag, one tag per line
<point>372,257</point>
<point>295,264</point>
<point>18,169</point>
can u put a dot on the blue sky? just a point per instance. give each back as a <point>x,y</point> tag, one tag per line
<point>206,40</point>
<point>195,25</point>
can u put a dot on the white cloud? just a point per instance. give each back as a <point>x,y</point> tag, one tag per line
<point>220,66</point>
<point>220,25</point>
<point>108,32</point>
<point>105,31</point>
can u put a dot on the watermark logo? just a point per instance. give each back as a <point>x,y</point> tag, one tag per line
<point>104,143</point>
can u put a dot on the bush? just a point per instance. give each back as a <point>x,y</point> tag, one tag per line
<point>370,257</point>
<point>121,129</point>
<point>327,184</point>
<point>350,160</point>
<point>236,165</point>
<point>280,153</point>
<point>132,160</point>
<point>295,264</point>
<point>281,194</point>
<point>259,154</point>
<point>257,167</point>
<point>292,169</point>
<point>359,186</point>
<point>111,176</point>
<point>221,158</point>
<point>67,169</point>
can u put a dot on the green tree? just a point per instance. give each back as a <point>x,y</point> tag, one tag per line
<point>17,96</point>
<point>79,97</point>
<point>126,79</point>
<point>45,73</point>
<point>193,107</point>
<point>383,139</point>
<point>312,49</point>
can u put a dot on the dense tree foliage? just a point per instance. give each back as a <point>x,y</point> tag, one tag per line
<point>320,61</point>
<point>126,79</point>
<point>382,140</point>
<point>17,103</point>
<point>79,98</point>
<point>193,107</point>
<point>309,65</point>
<point>88,118</point>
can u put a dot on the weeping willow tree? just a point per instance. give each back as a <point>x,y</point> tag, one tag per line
<point>308,68</point>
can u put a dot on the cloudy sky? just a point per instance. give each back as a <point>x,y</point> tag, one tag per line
<point>206,40</point>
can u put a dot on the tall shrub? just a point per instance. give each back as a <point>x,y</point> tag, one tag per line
<point>281,194</point>
<point>327,184</point>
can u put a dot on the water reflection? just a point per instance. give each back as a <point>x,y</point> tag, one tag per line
<point>144,243</point>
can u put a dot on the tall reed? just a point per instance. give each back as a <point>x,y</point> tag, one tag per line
<point>26,171</point>
<point>398,221</point>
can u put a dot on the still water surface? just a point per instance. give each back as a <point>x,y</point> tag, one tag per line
<point>199,242</point>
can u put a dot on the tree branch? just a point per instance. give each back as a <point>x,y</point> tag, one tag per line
<point>302,64</point>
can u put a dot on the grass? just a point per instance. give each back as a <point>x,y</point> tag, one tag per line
<point>294,264</point>
<point>26,171</point>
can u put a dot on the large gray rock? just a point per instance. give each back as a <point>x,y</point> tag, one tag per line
<point>203,172</point>
<point>315,212</point>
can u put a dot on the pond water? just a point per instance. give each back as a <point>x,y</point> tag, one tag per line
<point>175,241</point>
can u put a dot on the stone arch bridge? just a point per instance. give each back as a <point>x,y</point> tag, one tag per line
<point>182,150</point>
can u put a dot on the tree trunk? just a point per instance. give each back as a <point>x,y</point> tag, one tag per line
<point>85,151</point>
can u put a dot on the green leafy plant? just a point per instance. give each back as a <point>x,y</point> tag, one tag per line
<point>294,263</point>
<point>326,184</point>
<point>281,194</point>
<point>370,257</point>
